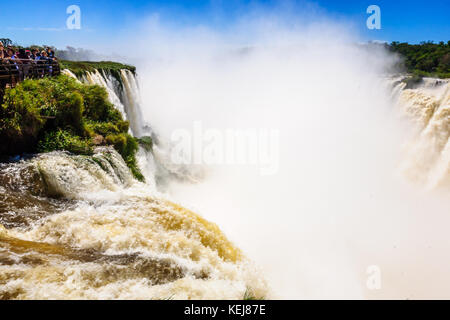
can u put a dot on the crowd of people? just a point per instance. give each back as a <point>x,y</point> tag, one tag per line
<point>14,55</point>
<point>17,64</point>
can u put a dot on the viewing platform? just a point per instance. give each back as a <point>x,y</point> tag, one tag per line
<point>15,71</point>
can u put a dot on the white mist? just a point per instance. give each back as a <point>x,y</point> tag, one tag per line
<point>337,205</point>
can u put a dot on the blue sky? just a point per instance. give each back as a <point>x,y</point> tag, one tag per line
<point>44,22</point>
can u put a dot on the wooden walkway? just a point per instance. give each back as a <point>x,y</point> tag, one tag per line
<point>15,71</point>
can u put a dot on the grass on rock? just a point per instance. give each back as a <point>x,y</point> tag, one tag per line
<point>62,114</point>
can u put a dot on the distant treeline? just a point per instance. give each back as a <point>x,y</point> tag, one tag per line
<point>70,53</point>
<point>424,59</point>
<point>8,42</point>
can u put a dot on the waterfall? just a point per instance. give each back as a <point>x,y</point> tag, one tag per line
<point>107,81</point>
<point>81,227</point>
<point>78,177</point>
<point>427,105</point>
<point>69,73</point>
<point>131,98</point>
<point>105,235</point>
<point>123,94</point>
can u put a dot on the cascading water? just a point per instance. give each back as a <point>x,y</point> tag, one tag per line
<point>427,159</point>
<point>113,237</point>
<point>123,94</point>
<point>107,81</point>
<point>80,227</point>
<point>131,98</point>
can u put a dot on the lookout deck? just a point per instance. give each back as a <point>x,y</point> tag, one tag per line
<point>15,71</point>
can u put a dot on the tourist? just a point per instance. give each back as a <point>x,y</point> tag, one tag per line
<point>3,53</point>
<point>3,59</point>
<point>34,54</point>
<point>24,60</point>
<point>14,69</point>
<point>44,55</point>
<point>11,54</point>
<point>50,53</point>
<point>44,59</point>
<point>37,56</point>
<point>22,55</point>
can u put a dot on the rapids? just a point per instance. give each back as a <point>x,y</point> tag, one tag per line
<point>110,237</point>
<point>79,227</point>
<point>427,154</point>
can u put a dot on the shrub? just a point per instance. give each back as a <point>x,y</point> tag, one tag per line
<point>97,106</point>
<point>146,143</point>
<point>61,114</point>
<point>107,128</point>
<point>123,126</point>
<point>132,164</point>
<point>127,146</point>
<point>20,121</point>
<point>64,140</point>
<point>124,143</point>
<point>70,112</point>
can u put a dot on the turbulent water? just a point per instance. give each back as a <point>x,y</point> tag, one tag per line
<point>77,227</point>
<point>107,236</point>
<point>427,155</point>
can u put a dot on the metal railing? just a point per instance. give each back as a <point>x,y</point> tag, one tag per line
<point>17,70</point>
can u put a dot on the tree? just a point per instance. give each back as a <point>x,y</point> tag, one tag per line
<point>445,62</point>
<point>6,42</point>
<point>427,58</point>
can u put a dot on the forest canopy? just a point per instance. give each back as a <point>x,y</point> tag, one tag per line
<point>424,59</point>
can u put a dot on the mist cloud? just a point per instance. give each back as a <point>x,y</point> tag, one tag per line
<point>337,204</point>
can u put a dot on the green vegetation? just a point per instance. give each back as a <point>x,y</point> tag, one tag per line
<point>64,140</point>
<point>6,41</point>
<point>425,59</point>
<point>127,146</point>
<point>413,80</point>
<point>61,114</point>
<point>80,68</point>
<point>146,143</point>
